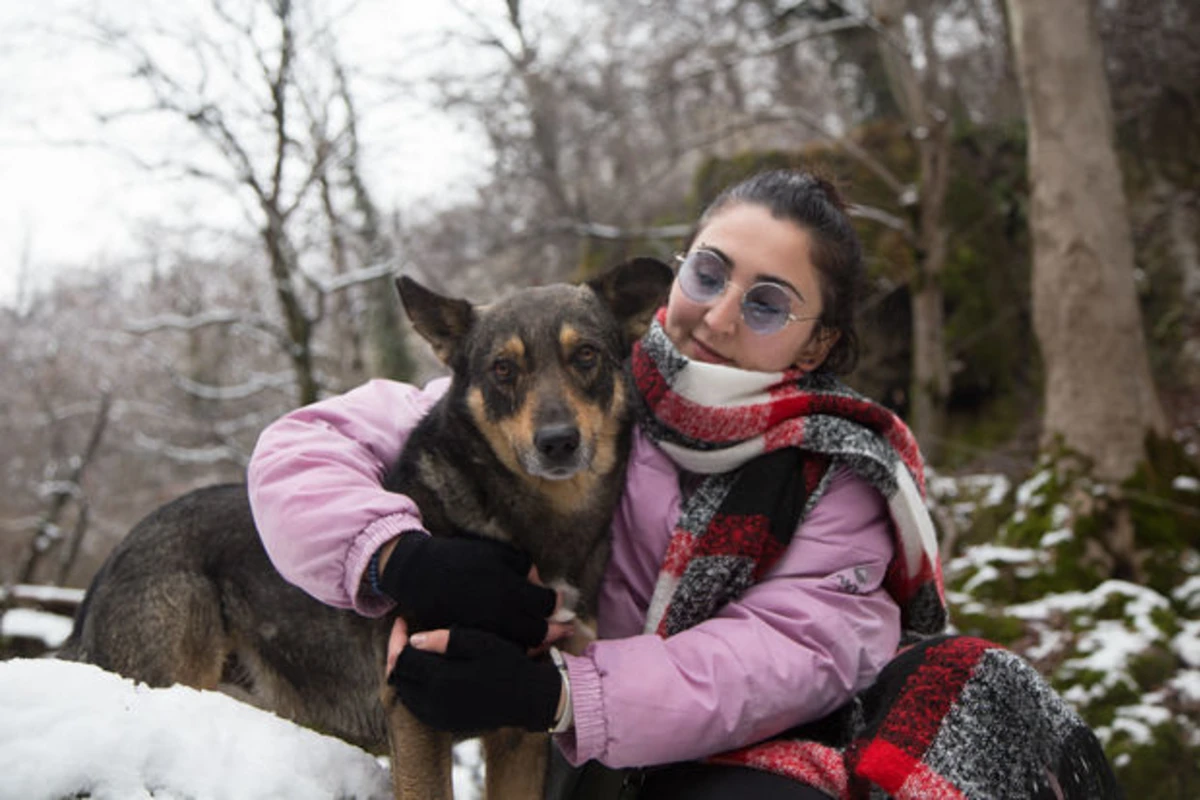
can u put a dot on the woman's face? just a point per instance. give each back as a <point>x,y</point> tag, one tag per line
<point>757,247</point>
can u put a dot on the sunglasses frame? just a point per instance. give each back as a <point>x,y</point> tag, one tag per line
<point>682,258</point>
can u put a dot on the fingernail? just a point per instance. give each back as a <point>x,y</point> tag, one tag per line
<point>417,640</point>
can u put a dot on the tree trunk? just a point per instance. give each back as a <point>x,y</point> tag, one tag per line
<point>918,97</point>
<point>299,326</point>
<point>386,344</point>
<point>47,536</point>
<point>1099,397</point>
<point>930,363</point>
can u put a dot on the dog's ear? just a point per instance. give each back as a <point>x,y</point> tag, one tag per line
<point>633,291</point>
<point>442,321</point>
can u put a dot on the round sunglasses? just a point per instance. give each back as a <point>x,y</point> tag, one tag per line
<point>766,307</point>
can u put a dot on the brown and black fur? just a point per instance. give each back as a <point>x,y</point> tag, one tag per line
<point>528,446</point>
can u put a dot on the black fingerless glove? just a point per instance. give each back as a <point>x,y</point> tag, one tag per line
<point>483,682</point>
<point>440,581</point>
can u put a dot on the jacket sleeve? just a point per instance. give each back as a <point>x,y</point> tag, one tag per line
<point>315,482</point>
<point>795,646</point>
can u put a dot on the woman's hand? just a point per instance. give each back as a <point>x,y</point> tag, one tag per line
<point>468,680</point>
<point>441,581</point>
<point>435,641</point>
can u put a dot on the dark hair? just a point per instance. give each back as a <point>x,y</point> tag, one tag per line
<point>813,203</point>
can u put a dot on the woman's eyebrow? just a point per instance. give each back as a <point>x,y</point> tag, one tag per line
<point>760,278</point>
<point>775,279</point>
<point>718,252</point>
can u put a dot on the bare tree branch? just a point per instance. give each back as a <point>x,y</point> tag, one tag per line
<point>598,230</point>
<point>241,391</point>
<point>874,214</point>
<point>216,316</point>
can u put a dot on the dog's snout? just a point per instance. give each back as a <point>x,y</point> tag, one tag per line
<point>557,442</point>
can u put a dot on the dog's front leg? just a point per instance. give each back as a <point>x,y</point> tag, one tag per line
<point>422,758</point>
<point>516,764</point>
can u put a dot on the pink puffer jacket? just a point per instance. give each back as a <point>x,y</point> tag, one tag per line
<point>817,628</point>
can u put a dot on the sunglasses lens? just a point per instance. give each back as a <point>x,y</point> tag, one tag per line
<point>702,276</point>
<point>766,308</point>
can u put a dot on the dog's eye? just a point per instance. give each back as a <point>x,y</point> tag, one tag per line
<point>504,370</point>
<point>586,357</point>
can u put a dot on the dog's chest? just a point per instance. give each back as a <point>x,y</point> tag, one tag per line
<point>467,501</point>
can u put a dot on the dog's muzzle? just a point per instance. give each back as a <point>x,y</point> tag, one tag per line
<point>559,452</point>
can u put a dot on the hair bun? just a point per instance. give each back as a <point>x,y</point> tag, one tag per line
<point>830,191</point>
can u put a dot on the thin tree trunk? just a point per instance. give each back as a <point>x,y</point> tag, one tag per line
<point>345,314</point>
<point>275,238</point>
<point>299,326</point>
<point>75,543</point>
<point>931,371</point>
<point>928,125</point>
<point>46,537</point>
<point>1100,399</point>
<point>386,345</point>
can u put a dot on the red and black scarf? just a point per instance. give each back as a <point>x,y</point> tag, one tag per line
<point>763,445</point>
<point>950,717</point>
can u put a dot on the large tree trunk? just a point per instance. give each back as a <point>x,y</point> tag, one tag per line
<point>1099,396</point>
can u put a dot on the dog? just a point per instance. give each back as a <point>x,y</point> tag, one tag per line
<point>528,446</point>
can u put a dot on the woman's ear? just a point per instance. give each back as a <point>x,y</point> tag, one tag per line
<point>816,349</point>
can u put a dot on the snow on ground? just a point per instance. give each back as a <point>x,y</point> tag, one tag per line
<point>47,594</point>
<point>28,623</point>
<point>70,729</point>
<point>1185,483</point>
<point>73,728</point>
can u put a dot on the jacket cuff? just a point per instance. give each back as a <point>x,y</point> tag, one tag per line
<point>366,601</point>
<point>589,738</point>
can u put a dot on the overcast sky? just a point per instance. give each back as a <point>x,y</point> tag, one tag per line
<point>69,201</point>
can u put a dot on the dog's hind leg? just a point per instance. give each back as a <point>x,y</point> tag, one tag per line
<point>163,631</point>
<point>422,758</point>
<point>516,763</point>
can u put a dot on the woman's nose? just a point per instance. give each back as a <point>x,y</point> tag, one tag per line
<point>724,313</point>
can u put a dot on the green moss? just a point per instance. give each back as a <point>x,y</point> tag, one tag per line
<point>1165,768</point>
<point>987,523</point>
<point>1002,590</point>
<point>1101,711</point>
<point>1113,606</point>
<point>1087,678</point>
<point>997,628</point>
<point>1166,519</point>
<point>1166,620</point>
<point>1153,668</point>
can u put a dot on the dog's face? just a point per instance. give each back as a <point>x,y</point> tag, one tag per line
<point>541,371</point>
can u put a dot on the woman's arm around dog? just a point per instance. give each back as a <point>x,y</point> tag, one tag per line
<point>315,483</point>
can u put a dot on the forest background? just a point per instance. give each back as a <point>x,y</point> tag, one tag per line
<point>1026,178</point>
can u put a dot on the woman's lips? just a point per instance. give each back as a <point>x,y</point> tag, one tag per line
<point>702,352</point>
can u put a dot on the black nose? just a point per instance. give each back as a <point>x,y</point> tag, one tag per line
<point>557,442</point>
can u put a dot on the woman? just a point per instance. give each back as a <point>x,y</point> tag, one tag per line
<point>769,553</point>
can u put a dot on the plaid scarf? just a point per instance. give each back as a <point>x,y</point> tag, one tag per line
<point>950,717</point>
<point>763,445</point>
